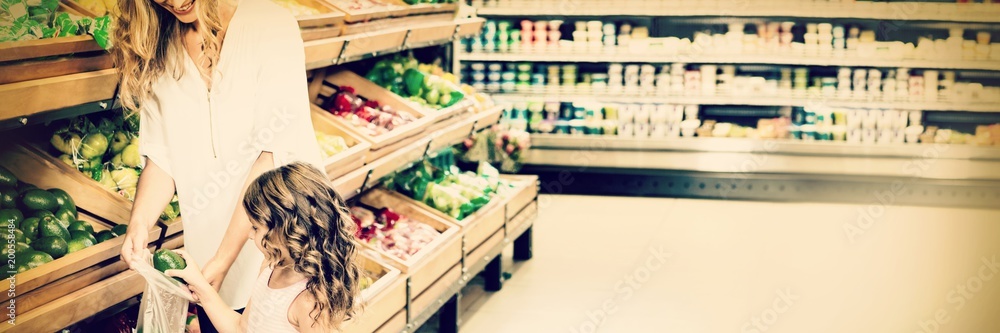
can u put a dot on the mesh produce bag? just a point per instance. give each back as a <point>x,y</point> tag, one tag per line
<point>165,302</point>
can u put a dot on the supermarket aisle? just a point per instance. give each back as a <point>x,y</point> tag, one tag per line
<point>680,265</point>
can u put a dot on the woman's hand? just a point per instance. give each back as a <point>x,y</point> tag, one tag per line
<point>136,241</point>
<point>199,285</point>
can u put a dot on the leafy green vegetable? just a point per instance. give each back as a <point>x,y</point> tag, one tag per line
<point>22,20</point>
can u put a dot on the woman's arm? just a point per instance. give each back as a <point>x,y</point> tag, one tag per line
<point>154,192</point>
<point>223,317</point>
<point>238,231</point>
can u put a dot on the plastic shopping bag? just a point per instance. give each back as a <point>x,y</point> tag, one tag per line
<point>165,302</point>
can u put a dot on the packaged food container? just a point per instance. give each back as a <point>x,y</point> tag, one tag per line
<point>509,76</point>
<point>494,67</point>
<point>493,76</point>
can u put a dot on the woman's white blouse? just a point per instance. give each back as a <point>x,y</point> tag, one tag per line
<point>207,141</point>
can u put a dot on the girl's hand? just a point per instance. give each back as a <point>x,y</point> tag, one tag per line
<point>192,276</point>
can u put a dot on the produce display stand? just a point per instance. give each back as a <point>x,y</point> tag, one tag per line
<point>348,160</point>
<point>86,300</point>
<point>382,300</point>
<point>432,263</point>
<point>392,8</point>
<point>394,23</point>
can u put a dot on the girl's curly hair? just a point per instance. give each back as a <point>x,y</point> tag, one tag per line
<point>311,231</point>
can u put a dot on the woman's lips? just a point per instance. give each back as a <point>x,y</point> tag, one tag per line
<point>184,9</point>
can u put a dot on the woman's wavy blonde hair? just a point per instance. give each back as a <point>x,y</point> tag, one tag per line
<point>311,231</point>
<point>148,44</point>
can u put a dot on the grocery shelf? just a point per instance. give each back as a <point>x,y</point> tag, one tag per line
<point>751,101</point>
<point>88,92</point>
<point>769,146</point>
<point>763,162</point>
<point>864,10</point>
<point>624,56</point>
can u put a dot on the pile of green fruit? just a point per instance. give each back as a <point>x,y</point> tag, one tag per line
<point>439,183</point>
<point>403,76</point>
<point>43,225</point>
<point>106,147</point>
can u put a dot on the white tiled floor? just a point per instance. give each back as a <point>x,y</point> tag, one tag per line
<point>595,269</point>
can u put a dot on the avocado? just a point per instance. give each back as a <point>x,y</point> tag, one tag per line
<point>49,227</point>
<point>8,197</point>
<point>119,230</point>
<point>34,258</point>
<point>11,216</point>
<point>65,216</point>
<point>24,187</point>
<point>7,178</point>
<point>54,246</point>
<point>64,200</point>
<point>164,260</point>
<point>80,243</point>
<point>38,199</point>
<point>80,226</point>
<point>20,248</point>
<point>18,236</point>
<point>84,235</point>
<point>104,235</point>
<point>30,227</point>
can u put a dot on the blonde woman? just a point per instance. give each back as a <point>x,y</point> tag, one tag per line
<point>221,89</point>
<point>312,278</point>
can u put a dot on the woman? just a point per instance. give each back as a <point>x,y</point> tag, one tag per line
<point>221,89</point>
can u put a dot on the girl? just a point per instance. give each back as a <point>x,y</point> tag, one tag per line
<point>311,278</point>
<point>221,89</point>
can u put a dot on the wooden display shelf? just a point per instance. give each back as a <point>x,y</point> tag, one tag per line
<point>348,160</point>
<point>436,258</point>
<point>394,23</point>
<point>84,302</point>
<point>382,300</point>
<point>385,143</point>
<point>469,27</point>
<point>329,22</point>
<point>391,8</point>
<point>517,222</point>
<point>524,193</point>
<point>34,96</point>
<point>27,70</point>
<point>395,324</point>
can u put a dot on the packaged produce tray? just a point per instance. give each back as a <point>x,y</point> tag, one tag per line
<point>436,258</point>
<point>383,299</point>
<point>84,300</point>
<point>345,161</point>
<point>359,11</point>
<point>384,143</point>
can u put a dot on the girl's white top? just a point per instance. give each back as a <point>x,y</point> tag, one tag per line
<point>269,311</point>
<point>207,140</point>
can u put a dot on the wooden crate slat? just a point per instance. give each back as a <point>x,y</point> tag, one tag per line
<point>30,97</point>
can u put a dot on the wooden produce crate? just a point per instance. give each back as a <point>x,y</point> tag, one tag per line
<point>322,53</point>
<point>479,257</point>
<point>348,160</point>
<point>476,228</point>
<point>327,23</point>
<point>385,143</point>
<point>108,205</point>
<point>384,40</point>
<point>395,324</point>
<point>434,260</point>
<point>382,300</point>
<point>386,8</point>
<point>26,98</point>
<point>403,23</point>
<point>52,57</point>
<point>524,193</point>
<point>433,8</point>
<point>433,293</point>
<point>83,302</point>
<point>518,221</point>
<point>469,27</point>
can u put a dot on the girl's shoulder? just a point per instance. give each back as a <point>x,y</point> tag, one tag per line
<point>299,312</point>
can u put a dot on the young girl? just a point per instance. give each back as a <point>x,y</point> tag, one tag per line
<point>310,279</point>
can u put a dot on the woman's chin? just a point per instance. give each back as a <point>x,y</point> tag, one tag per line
<point>187,18</point>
